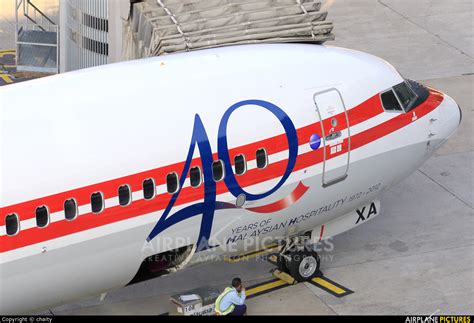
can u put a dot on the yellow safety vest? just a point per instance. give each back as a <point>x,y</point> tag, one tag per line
<point>218,303</point>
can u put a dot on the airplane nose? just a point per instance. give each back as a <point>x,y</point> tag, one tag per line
<point>450,117</point>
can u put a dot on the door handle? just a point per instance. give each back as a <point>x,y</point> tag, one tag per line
<point>334,135</point>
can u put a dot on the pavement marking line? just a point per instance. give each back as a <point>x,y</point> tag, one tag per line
<point>331,286</point>
<point>251,255</point>
<point>6,78</point>
<point>266,287</point>
<point>276,283</point>
<point>4,53</point>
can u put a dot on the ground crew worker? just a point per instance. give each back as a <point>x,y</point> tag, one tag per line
<point>231,301</point>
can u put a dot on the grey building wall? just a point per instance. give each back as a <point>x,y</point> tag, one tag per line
<point>91,32</point>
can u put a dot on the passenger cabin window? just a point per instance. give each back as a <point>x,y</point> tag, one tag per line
<point>240,164</point>
<point>70,209</point>
<point>195,176</point>
<point>262,158</point>
<point>149,189</point>
<point>218,170</point>
<point>125,195</point>
<point>172,183</point>
<point>390,102</point>
<point>405,95</point>
<point>42,216</point>
<point>12,224</point>
<point>97,202</point>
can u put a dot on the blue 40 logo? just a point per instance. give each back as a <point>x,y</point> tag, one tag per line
<point>208,207</point>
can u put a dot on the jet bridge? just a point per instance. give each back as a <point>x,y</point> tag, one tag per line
<point>159,27</point>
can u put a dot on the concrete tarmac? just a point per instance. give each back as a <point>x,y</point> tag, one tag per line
<point>417,257</point>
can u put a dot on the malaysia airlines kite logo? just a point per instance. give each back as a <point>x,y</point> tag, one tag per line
<point>209,205</point>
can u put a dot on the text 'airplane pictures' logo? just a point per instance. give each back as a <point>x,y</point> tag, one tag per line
<point>209,205</point>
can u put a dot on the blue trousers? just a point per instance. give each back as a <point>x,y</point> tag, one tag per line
<point>239,310</point>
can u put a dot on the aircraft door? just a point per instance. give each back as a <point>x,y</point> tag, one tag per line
<point>335,136</point>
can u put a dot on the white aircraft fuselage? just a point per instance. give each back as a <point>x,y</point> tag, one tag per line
<point>211,153</point>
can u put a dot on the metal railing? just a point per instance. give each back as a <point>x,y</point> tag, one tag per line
<point>32,13</point>
<point>37,39</point>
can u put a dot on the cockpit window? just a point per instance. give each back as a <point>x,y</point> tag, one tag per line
<point>401,97</point>
<point>422,92</point>
<point>405,95</point>
<point>390,102</point>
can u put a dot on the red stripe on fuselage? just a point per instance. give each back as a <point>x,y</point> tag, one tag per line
<point>361,113</point>
<point>26,210</point>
